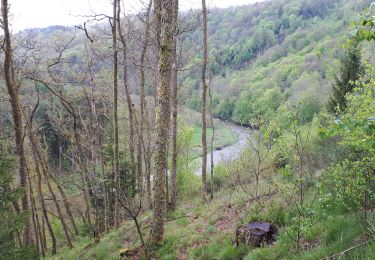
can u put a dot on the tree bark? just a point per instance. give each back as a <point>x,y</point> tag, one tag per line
<point>162,120</point>
<point>204,101</point>
<point>174,192</point>
<point>157,32</point>
<point>212,141</point>
<point>13,90</point>
<point>115,112</point>
<point>34,216</point>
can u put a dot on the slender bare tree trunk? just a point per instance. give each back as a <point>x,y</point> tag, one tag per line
<point>157,31</point>
<point>42,246</point>
<point>174,110</point>
<point>115,112</point>
<point>58,209</point>
<point>34,215</point>
<point>212,142</point>
<point>83,170</point>
<point>106,206</point>
<point>66,204</point>
<point>43,235</point>
<point>148,158</point>
<point>13,90</point>
<point>139,166</point>
<point>96,188</point>
<point>41,198</point>
<point>37,229</point>
<point>44,169</point>
<point>137,171</point>
<point>81,155</point>
<point>204,101</point>
<point>162,120</point>
<point>143,105</point>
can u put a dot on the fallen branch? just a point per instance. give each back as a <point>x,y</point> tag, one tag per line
<point>165,221</point>
<point>341,254</point>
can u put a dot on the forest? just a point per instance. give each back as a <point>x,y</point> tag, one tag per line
<point>245,132</point>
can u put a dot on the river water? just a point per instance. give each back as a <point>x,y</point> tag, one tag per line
<point>231,152</point>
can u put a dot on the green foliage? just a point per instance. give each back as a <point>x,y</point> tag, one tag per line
<point>270,211</point>
<point>365,25</point>
<point>344,186</point>
<point>252,105</point>
<point>284,50</point>
<point>221,177</point>
<point>224,109</point>
<point>330,236</point>
<point>351,71</point>
<point>266,25</point>
<point>309,107</point>
<point>346,182</point>
<point>187,182</point>
<point>127,178</point>
<point>54,138</point>
<point>11,223</point>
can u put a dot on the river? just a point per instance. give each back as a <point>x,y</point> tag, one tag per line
<point>230,152</point>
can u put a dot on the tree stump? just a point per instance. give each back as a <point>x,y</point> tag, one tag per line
<point>255,234</point>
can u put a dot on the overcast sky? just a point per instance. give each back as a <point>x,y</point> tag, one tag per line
<point>43,13</point>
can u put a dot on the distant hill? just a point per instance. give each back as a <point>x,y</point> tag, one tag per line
<point>262,55</point>
<point>268,53</point>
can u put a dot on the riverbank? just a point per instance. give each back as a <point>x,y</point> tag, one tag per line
<point>229,152</point>
<point>224,135</point>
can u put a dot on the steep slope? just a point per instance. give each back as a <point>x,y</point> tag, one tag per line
<point>266,54</point>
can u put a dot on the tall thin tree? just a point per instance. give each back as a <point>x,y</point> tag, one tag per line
<point>143,105</point>
<point>127,92</point>
<point>115,112</point>
<point>13,87</point>
<point>204,100</point>
<point>174,109</point>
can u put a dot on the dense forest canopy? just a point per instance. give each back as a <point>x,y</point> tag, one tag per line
<point>169,134</point>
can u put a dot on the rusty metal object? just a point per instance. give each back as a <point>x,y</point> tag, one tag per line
<point>255,234</point>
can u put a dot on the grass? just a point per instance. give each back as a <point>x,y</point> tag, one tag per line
<point>207,231</point>
<point>199,235</point>
<point>223,137</point>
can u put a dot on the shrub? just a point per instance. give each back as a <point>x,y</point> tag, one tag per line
<point>221,176</point>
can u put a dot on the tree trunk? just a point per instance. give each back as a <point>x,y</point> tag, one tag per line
<point>143,105</point>
<point>66,204</point>
<point>162,121</point>
<point>115,114</point>
<point>97,190</point>
<point>166,202</point>
<point>44,168</point>
<point>41,198</point>
<point>127,93</point>
<point>83,170</point>
<point>13,90</point>
<point>34,215</point>
<point>81,154</point>
<point>174,110</point>
<point>204,101</point>
<point>212,142</point>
